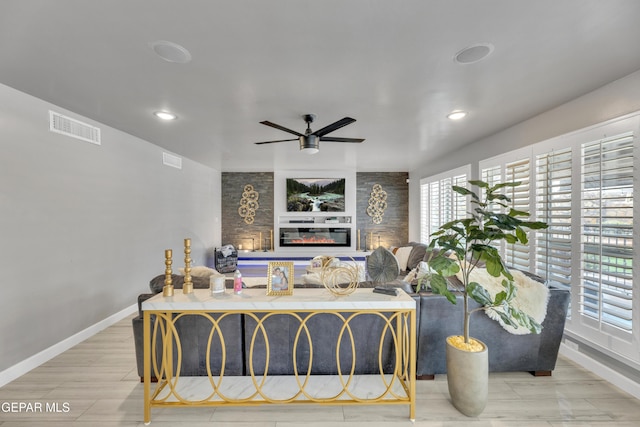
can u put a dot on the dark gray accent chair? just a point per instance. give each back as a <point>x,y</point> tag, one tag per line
<point>535,353</point>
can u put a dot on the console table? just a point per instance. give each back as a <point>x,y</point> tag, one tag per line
<point>172,389</point>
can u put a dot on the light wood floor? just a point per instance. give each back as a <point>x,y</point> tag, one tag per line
<point>96,383</point>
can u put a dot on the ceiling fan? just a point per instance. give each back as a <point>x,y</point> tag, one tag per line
<point>310,141</point>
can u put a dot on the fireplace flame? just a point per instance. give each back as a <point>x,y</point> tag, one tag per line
<point>314,240</point>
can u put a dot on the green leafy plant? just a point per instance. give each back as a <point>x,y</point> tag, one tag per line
<point>463,244</point>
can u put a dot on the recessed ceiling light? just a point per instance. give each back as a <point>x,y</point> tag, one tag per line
<point>165,115</point>
<point>474,53</point>
<point>456,115</point>
<point>171,52</point>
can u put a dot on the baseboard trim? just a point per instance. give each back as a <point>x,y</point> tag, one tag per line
<point>603,371</point>
<point>38,359</point>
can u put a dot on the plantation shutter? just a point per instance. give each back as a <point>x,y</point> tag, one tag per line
<point>492,175</point>
<point>460,202</point>
<point>424,213</point>
<point>439,204</point>
<point>553,206</point>
<point>606,288</point>
<point>517,254</point>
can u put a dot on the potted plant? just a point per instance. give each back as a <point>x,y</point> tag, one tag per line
<point>460,246</point>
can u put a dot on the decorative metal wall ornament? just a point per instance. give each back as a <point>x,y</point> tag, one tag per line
<point>377,204</point>
<point>248,204</point>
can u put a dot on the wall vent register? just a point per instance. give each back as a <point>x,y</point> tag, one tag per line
<point>64,125</point>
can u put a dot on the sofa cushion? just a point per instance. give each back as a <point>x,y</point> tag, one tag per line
<point>402,255</point>
<point>417,254</point>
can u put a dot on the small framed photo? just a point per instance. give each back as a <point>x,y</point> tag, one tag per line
<point>280,278</point>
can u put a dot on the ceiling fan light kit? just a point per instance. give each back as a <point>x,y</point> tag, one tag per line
<point>309,144</point>
<point>310,141</point>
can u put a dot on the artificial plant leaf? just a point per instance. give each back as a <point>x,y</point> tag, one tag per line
<point>444,266</point>
<point>506,184</point>
<point>479,294</point>
<point>506,319</point>
<point>521,235</point>
<point>515,212</point>
<point>500,298</point>
<point>478,183</point>
<point>510,238</point>
<point>492,197</point>
<point>464,191</point>
<point>534,225</point>
<point>439,286</point>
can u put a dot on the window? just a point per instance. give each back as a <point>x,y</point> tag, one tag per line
<point>513,167</point>
<point>553,206</point>
<point>517,254</point>
<point>439,204</point>
<point>606,282</point>
<point>583,186</point>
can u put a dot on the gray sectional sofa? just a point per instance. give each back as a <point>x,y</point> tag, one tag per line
<point>436,319</point>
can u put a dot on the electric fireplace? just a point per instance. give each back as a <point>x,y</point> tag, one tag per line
<point>312,237</point>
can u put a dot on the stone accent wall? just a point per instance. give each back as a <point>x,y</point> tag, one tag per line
<point>394,228</point>
<point>234,230</point>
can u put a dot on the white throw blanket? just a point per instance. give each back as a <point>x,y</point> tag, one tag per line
<point>531,296</point>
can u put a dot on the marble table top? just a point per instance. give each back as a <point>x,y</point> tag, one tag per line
<point>257,300</point>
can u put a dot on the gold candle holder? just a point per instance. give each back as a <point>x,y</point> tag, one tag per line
<point>187,287</point>
<point>271,238</point>
<point>167,290</point>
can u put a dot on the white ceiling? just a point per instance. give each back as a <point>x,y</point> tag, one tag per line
<point>388,64</point>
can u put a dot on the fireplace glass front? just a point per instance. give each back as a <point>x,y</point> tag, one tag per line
<point>290,237</point>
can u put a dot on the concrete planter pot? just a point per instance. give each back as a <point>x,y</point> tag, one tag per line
<point>468,379</point>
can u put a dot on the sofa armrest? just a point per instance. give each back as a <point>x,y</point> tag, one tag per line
<point>553,328</point>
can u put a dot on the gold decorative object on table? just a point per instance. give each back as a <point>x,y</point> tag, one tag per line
<point>248,204</point>
<point>167,290</point>
<point>377,204</point>
<point>332,278</point>
<point>187,287</point>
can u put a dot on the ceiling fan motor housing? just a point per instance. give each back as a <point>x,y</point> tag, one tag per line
<point>309,144</point>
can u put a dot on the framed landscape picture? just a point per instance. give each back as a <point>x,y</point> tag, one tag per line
<point>315,194</point>
<point>280,278</point>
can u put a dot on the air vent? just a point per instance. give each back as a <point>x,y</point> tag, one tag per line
<point>73,128</point>
<point>171,160</point>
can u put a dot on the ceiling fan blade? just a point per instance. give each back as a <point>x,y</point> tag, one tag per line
<point>334,126</point>
<point>336,139</point>
<point>278,140</point>
<point>273,125</point>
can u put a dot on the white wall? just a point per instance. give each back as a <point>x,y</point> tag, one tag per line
<point>610,101</point>
<point>83,227</point>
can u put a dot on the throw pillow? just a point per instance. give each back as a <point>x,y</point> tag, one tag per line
<point>402,254</point>
<point>416,255</point>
